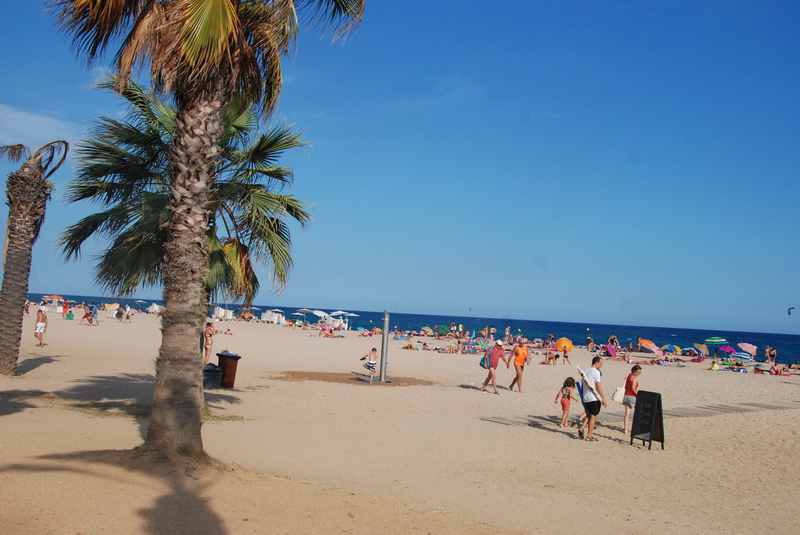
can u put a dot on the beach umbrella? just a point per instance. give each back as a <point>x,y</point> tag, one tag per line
<point>319,313</point>
<point>749,348</point>
<point>702,348</point>
<point>564,344</point>
<point>651,346</point>
<point>672,348</point>
<point>742,355</point>
<point>298,314</point>
<point>727,349</point>
<point>303,312</point>
<point>689,351</point>
<point>353,315</point>
<point>338,313</point>
<point>716,342</point>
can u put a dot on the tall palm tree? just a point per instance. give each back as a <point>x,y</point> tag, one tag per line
<point>205,52</point>
<point>124,167</point>
<point>27,192</point>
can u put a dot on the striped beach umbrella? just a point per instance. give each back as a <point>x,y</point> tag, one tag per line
<point>742,355</point>
<point>716,341</point>
<point>749,348</point>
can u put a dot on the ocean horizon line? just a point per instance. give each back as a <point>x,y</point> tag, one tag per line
<point>452,316</point>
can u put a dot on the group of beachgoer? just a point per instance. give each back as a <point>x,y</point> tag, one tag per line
<point>90,315</point>
<point>588,389</point>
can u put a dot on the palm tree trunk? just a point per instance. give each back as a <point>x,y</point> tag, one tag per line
<point>176,418</point>
<point>27,191</point>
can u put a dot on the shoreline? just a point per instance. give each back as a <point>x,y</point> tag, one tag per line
<point>788,344</point>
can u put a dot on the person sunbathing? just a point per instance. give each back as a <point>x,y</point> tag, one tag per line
<point>779,369</point>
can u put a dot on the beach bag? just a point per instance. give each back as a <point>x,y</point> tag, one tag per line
<point>485,360</point>
<point>619,394</point>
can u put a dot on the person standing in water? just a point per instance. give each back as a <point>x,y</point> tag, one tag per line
<point>520,353</point>
<point>41,325</point>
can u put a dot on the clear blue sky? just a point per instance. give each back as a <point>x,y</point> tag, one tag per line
<point>615,162</point>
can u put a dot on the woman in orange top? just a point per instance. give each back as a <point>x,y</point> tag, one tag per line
<point>520,359</point>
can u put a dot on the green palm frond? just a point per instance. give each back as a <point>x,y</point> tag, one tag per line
<point>124,166</point>
<point>186,43</point>
<point>349,12</point>
<point>268,148</point>
<point>210,29</point>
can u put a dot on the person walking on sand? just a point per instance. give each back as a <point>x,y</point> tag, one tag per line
<point>208,341</point>
<point>565,395</point>
<point>520,353</point>
<point>565,355</point>
<point>594,395</point>
<point>41,325</point>
<point>496,354</point>
<point>631,389</point>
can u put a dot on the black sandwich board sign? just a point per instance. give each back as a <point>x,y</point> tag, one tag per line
<point>648,419</point>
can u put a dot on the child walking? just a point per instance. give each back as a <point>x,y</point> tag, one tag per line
<point>565,395</point>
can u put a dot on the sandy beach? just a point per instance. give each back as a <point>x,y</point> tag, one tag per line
<point>301,456</point>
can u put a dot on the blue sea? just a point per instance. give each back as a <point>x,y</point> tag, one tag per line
<point>788,345</point>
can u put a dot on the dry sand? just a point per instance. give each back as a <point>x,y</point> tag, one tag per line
<point>332,455</point>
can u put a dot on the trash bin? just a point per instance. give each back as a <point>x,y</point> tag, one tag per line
<point>212,376</point>
<point>228,362</point>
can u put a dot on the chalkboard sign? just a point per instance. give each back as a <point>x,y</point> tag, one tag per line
<point>648,419</point>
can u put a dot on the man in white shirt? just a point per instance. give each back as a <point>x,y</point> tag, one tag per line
<point>594,395</point>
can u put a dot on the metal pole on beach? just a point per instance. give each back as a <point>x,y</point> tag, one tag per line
<point>385,346</point>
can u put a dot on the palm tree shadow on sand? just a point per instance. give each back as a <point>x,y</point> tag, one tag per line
<point>29,364</point>
<point>125,394</point>
<point>181,510</point>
